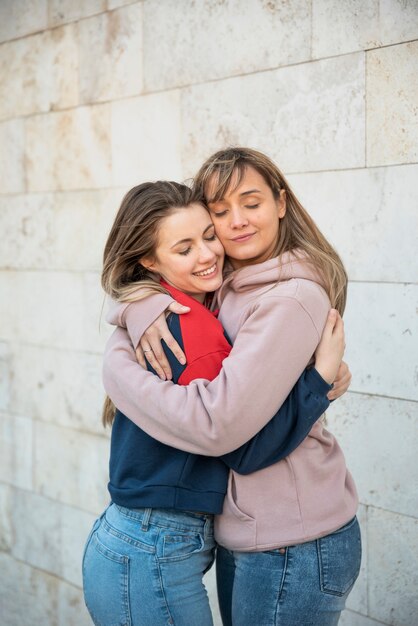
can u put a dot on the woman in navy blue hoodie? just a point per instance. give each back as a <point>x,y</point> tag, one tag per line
<point>146,555</point>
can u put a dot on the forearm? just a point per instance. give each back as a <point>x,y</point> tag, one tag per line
<point>287,429</point>
<point>216,417</point>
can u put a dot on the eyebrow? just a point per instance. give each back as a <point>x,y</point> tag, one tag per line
<point>244,193</point>
<point>189,239</point>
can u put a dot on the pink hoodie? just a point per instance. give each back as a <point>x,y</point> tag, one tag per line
<point>274,312</point>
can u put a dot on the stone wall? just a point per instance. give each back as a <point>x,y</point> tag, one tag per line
<point>98,95</point>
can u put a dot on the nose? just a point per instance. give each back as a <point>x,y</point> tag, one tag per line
<point>238,218</point>
<point>206,254</point>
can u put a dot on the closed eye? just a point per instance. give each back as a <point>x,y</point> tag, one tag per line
<point>252,206</point>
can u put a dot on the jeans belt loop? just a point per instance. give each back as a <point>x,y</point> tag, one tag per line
<point>145,520</point>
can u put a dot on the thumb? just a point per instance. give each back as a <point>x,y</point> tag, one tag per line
<point>176,307</point>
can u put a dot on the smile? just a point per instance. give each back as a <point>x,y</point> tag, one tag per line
<point>208,272</point>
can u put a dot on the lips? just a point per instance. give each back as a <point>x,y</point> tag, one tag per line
<point>243,238</point>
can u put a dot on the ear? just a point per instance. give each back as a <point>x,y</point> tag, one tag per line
<point>148,263</point>
<point>281,203</point>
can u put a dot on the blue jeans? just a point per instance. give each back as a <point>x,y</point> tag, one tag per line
<point>301,585</point>
<point>144,567</point>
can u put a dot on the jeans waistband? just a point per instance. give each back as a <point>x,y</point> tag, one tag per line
<point>166,518</point>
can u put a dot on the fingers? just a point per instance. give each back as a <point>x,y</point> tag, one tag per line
<point>175,307</point>
<point>341,383</point>
<point>140,357</point>
<point>155,356</point>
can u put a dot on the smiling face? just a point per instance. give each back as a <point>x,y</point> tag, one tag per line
<point>188,255</point>
<point>246,219</point>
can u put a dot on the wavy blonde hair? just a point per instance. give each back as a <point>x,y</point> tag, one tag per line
<point>134,236</point>
<point>298,231</point>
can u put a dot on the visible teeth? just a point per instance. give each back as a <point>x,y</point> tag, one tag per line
<point>206,272</point>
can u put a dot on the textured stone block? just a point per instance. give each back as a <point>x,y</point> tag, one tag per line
<point>62,11</point>
<point>29,597</point>
<point>54,540</point>
<point>61,387</point>
<point>16,445</point>
<point>115,4</point>
<point>74,470</point>
<point>367,215</point>
<point>22,17</point>
<point>392,111</point>
<point>381,330</point>
<point>369,429</point>
<point>5,376</point>
<point>308,117</point>
<point>115,68</point>
<point>349,618</point>
<point>341,27</point>
<point>39,73</point>
<point>71,608</point>
<point>66,316</point>
<point>146,139</point>
<point>68,150</point>
<point>6,532</point>
<point>393,567</point>
<point>193,42</point>
<point>65,231</point>
<point>12,176</point>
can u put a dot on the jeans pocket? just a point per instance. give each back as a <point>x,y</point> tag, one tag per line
<point>339,556</point>
<point>106,584</point>
<point>181,545</point>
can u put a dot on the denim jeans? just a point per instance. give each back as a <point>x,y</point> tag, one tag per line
<point>144,567</point>
<point>301,585</point>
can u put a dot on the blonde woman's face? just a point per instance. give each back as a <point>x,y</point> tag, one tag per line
<point>247,219</point>
<point>189,255</point>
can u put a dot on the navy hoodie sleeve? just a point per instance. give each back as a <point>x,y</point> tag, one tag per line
<point>287,429</point>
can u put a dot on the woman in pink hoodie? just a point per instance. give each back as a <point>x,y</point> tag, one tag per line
<point>290,541</point>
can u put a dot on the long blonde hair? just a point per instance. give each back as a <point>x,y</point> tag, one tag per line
<point>134,236</point>
<point>297,229</point>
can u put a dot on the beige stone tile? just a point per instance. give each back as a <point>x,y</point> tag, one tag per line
<point>61,387</point>
<point>381,330</point>
<point>308,117</point>
<point>193,42</point>
<point>5,375</point>
<point>368,216</point>
<point>55,538</point>
<point>369,430</point>
<point>22,17</point>
<point>341,27</point>
<point>55,309</point>
<point>349,618</point>
<point>392,110</point>
<point>39,73</point>
<point>393,567</point>
<point>72,610</point>
<point>12,175</point>
<point>146,142</point>
<point>28,596</point>
<point>116,4</point>
<point>74,470</point>
<point>65,231</point>
<point>63,11</point>
<point>115,68</point>
<point>6,531</point>
<point>398,21</point>
<point>16,452</point>
<point>69,150</point>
